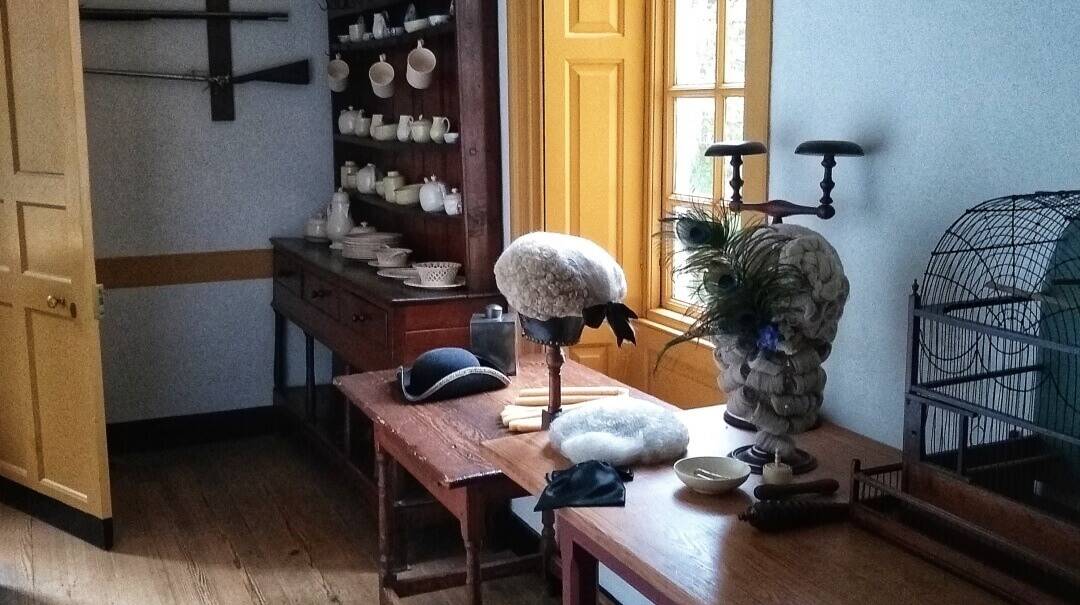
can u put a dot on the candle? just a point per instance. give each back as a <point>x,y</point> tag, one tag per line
<point>776,472</point>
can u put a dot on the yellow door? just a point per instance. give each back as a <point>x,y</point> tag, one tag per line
<point>52,420</point>
<point>594,95</point>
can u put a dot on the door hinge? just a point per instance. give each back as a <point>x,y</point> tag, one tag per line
<point>99,308</point>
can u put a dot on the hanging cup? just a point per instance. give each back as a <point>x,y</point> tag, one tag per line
<point>419,66</point>
<point>337,74</point>
<point>381,75</point>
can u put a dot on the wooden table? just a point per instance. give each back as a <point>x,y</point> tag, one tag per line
<point>676,546</point>
<point>438,444</point>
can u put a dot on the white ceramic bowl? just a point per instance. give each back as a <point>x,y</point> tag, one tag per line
<point>451,137</point>
<point>384,132</point>
<point>393,257</point>
<point>416,25</point>
<point>407,195</point>
<point>439,19</point>
<point>734,473</point>
<point>437,273</point>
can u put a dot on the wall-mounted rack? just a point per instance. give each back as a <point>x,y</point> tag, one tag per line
<point>219,76</point>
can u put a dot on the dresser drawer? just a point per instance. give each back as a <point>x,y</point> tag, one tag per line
<point>322,295</point>
<point>365,319</point>
<point>287,272</point>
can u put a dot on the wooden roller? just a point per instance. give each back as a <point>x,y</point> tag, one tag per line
<point>593,391</point>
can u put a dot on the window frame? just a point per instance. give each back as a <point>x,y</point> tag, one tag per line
<point>664,308</point>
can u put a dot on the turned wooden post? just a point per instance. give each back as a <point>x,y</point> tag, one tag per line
<point>554,364</point>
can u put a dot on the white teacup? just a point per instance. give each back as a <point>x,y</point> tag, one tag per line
<point>419,66</point>
<point>381,75</point>
<point>337,74</point>
<point>451,138</point>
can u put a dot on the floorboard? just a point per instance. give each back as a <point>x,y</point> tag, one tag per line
<point>256,520</point>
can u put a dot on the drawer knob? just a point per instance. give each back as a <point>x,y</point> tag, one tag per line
<point>319,294</point>
<point>357,317</point>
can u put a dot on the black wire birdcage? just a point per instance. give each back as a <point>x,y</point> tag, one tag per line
<point>994,366</point>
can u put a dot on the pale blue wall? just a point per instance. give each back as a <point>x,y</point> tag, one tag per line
<point>165,179</point>
<point>955,102</point>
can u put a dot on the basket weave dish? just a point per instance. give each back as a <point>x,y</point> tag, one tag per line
<point>437,273</point>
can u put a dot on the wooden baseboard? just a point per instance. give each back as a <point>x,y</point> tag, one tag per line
<point>85,526</point>
<point>193,268</point>
<point>194,429</point>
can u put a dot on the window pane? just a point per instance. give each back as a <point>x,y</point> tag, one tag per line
<point>683,285</point>
<point>733,131</point>
<point>735,41</point>
<point>694,127</point>
<point>695,42</point>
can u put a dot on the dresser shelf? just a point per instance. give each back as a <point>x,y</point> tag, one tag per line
<point>394,145</point>
<point>402,41</point>
<point>413,211</point>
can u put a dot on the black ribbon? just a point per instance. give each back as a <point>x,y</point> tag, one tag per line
<point>618,317</point>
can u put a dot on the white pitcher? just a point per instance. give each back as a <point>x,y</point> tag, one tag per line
<point>403,128</point>
<point>378,25</point>
<point>440,125</point>
<point>346,121</point>
<point>338,221</point>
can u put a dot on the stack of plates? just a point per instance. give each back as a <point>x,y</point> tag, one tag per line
<point>363,247</point>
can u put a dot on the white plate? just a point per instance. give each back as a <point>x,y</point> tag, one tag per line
<point>317,240</point>
<point>375,263</point>
<point>399,273</point>
<point>416,284</point>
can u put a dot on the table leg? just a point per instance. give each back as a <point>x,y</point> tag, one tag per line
<point>280,342</point>
<point>309,367</point>
<point>579,572</point>
<point>547,550</point>
<point>386,524</point>
<point>473,532</point>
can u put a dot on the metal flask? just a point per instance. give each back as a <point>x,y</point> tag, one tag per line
<point>492,336</point>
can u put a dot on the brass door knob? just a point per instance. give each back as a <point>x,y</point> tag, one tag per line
<point>54,302</point>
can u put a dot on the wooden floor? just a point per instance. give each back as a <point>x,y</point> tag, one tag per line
<point>251,521</point>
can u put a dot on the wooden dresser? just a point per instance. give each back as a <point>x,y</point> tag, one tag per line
<point>368,322</point>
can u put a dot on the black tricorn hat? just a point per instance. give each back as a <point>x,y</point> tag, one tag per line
<point>447,373</point>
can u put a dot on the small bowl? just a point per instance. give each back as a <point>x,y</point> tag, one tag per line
<point>439,19</point>
<point>732,471</point>
<point>437,273</point>
<point>392,257</point>
<point>343,38</point>
<point>451,137</point>
<point>416,25</point>
<point>407,195</point>
<point>384,132</point>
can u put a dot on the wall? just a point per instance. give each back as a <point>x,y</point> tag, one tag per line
<point>165,179</point>
<point>955,102</point>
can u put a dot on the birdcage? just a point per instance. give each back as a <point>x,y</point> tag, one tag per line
<point>992,414</point>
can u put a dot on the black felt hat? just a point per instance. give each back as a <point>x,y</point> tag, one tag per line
<point>448,373</point>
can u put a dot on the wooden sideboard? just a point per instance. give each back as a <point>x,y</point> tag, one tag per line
<point>368,322</point>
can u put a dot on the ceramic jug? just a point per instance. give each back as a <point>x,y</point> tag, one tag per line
<point>366,177</point>
<point>346,121</point>
<point>391,182</point>
<point>420,129</point>
<point>452,201</point>
<point>348,175</point>
<point>376,120</point>
<point>338,221</point>
<point>403,128</point>
<point>362,124</point>
<point>440,125</point>
<point>431,194</point>
<point>378,25</point>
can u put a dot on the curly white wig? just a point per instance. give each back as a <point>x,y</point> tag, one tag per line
<point>545,275</point>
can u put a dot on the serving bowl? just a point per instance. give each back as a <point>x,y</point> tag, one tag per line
<point>416,25</point>
<point>384,132</point>
<point>407,195</point>
<point>437,273</point>
<point>712,474</point>
<point>389,256</point>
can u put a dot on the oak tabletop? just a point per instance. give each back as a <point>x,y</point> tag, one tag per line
<point>446,435</point>
<point>694,549</point>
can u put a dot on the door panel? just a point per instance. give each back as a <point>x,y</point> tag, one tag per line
<point>52,424</point>
<point>594,90</point>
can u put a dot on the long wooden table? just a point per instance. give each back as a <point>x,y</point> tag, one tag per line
<point>438,444</point>
<point>677,546</point>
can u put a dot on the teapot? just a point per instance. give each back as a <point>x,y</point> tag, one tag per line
<point>440,125</point>
<point>365,178</point>
<point>338,221</point>
<point>421,130</point>
<point>431,194</point>
<point>378,25</point>
<point>403,128</point>
<point>346,121</point>
<point>390,183</point>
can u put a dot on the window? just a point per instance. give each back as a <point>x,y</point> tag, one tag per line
<point>716,72</point>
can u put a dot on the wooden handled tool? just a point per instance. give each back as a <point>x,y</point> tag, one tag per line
<point>824,487</point>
